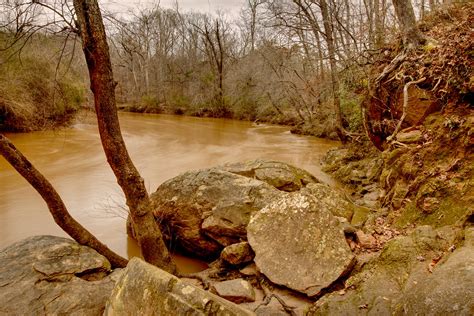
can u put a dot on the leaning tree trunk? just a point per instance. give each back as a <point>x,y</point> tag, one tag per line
<point>55,204</point>
<point>412,36</point>
<point>96,51</point>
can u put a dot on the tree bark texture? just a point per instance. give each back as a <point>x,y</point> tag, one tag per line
<point>412,37</point>
<point>96,51</point>
<point>55,204</point>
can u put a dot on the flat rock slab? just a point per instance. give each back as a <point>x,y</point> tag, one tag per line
<point>237,290</point>
<point>53,275</point>
<point>278,174</point>
<point>299,244</point>
<point>144,289</point>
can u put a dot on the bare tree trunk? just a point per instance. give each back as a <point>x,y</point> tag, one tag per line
<point>412,37</point>
<point>96,51</point>
<point>55,204</point>
<point>369,11</point>
<point>422,9</point>
<point>220,65</point>
<point>213,39</point>
<point>328,30</point>
<point>316,31</point>
<point>379,36</point>
<point>253,4</point>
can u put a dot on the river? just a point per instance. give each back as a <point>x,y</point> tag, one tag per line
<point>161,146</point>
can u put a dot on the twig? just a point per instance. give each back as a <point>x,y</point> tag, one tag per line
<point>405,107</point>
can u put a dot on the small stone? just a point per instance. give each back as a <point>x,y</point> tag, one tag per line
<point>360,216</point>
<point>410,137</point>
<point>237,253</point>
<point>237,290</point>
<point>430,205</point>
<point>366,241</point>
<point>372,196</point>
<point>420,258</point>
<point>249,270</point>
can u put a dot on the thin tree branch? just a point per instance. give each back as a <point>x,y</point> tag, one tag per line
<point>55,204</point>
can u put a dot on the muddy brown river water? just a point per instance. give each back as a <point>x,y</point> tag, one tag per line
<point>161,146</point>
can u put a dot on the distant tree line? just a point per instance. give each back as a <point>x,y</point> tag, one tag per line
<point>299,62</point>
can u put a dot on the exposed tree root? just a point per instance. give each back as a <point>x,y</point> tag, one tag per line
<point>405,107</point>
<point>391,67</point>
<point>269,295</point>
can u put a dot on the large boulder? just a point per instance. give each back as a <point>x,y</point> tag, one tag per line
<point>46,275</point>
<point>333,201</point>
<point>207,210</point>
<point>299,243</point>
<point>144,289</point>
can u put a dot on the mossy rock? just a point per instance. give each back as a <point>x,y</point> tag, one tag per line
<point>360,216</point>
<point>378,286</point>
<point>450,211</point>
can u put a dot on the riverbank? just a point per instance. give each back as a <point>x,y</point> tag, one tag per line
<point>316,128</point>
<point>422,170</point>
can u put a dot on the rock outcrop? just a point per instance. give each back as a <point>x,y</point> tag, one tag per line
<point>299,244</point>
<point>209,209</point>
<point>413,275</point>
<point>146,290</point>
<point>447,291</point>
<point>54,276</point>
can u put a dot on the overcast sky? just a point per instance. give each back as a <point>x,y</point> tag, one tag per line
<point>230,7</point>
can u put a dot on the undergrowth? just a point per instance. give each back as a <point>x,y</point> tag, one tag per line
<point>35,92</point>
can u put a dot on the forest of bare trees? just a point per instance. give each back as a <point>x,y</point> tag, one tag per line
<point>297,62</point>
<point>300,62</point>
